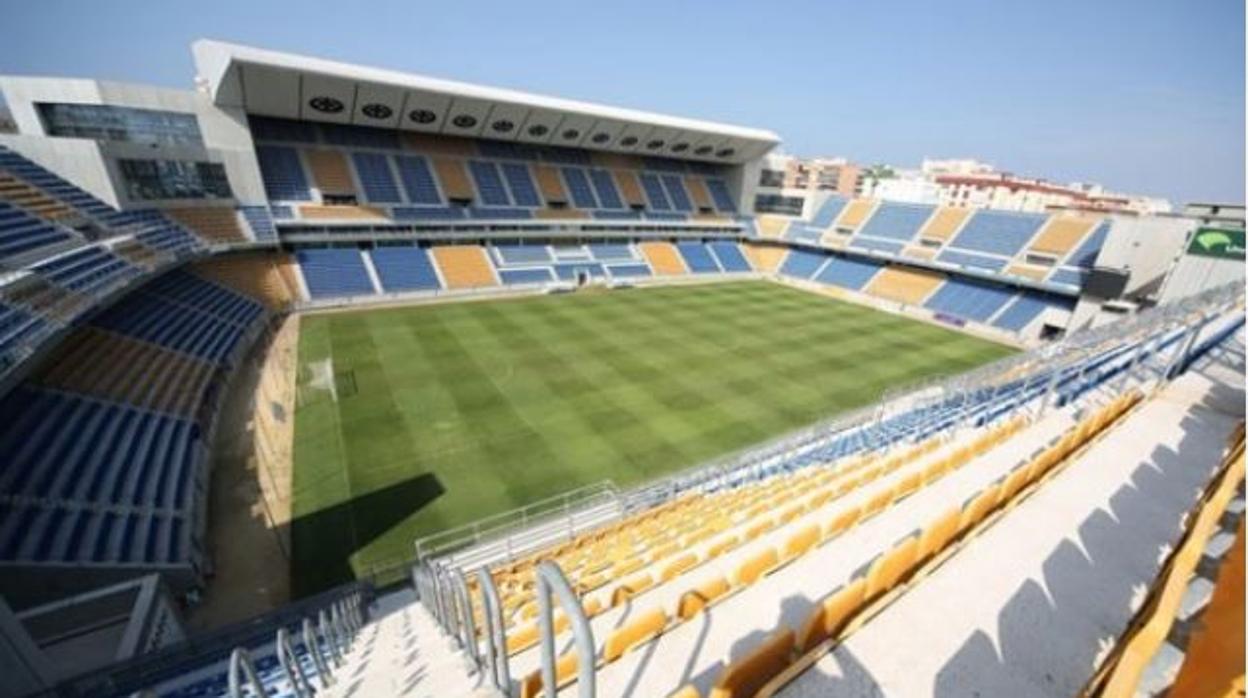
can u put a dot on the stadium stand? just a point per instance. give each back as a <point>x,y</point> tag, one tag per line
<point>282,172</point>
<point>1026,308</point>
<point>729,256</point>
<point>969,299</point>
<point>216,224</point>
<point>520,184</point>
<point>662,257</point>
<point>848,273</point>
<point>997,232</point>
<point>1061,234</point>
<point>854,213</point>
<point>803,264</point>
<point>266,277</point>
<point>698,258</point>
<point>418,181</point>
<point>905,285</point>
<point>376,177</point>
<point>766,258</point>
<point>464,266</point>
<point>334,272</point>
<point>21,232</point>
<point>403,267</point>
<point>489,183</point>
<point>896,221</point>
<point>945,223</point>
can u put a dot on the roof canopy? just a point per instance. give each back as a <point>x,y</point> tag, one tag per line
<point>298,87</point>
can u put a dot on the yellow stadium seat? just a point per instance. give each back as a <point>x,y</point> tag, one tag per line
<point>892,567</point>
<point>664,551</point>
<point>842,522</point>
<point>791,513</point>
<point>695,600</point>
<point>832,615</point>
<point>744,677</point>
<point>627,567</point>
<point>631,588</point>
<point>978,508</point>
<point>1014,482</point>
<point>689,691</point>
<point>877,503</point>
<point>722,547</point>
<point>565,668</point>
<point>758,529</point>
<point>678,566</point>
<point>907,484</point>
<point>800,542</point>
<point>756,566</point>
<point>645,627</point>
<point>939,533</point>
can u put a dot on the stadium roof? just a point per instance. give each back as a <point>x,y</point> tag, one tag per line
<point>299,87</point>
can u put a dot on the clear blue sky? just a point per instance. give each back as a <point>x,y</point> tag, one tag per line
<point>1141,95</point>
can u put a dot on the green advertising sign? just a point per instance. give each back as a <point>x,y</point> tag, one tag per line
<point>1222,243</point>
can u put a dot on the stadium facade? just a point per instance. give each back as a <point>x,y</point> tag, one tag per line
<point>149,237</point>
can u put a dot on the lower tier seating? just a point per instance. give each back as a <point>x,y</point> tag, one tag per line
<point>334,272</point>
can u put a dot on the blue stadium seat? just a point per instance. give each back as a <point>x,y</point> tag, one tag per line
<point>729,256</point>
<point>654,192</point>
<point>1027,307</point>
<point>418,181</point>
<point>22,232</point>
<point>896,221</point>
<point>969,299</point>
<point>967,259</point>
<point>848,273</point>
<point>1067,276</point>
<point>876,244</point>
<point>802,264</point>
<point>404,268</point>
<point>605,252</point>
<point>828,211</point>
<point>803,232</point>
<point>604,187</point>
<point>625,271</point>
<point>721,195</point>
<point>523,254</point>
<point>1086,255</point>
<point>507,213</point>
<point>376,178</point>
<point>489,183</point>
<point>520,182</point>
<point>432,213</point>
<point>998,232</point>
<point>334,272</point>
<point>260,221</point>
<point>578,187</point>
<point>698,258</point>
<point>676,192</point>
<point>282,172</point>
<point>506,150</point>
<point>525,276</point>
<point>568,271</point>
<point>86,270</point>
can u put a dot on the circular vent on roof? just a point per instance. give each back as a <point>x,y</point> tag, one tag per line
<point>328,105</point>
<point>654,145</point>
<point>601,137</point>
<point>464,121</point>
<point>571,134</point>
<point>703,150</point>
<point>538,130</point>
<point>377,111</point>
<point>628,141</point>
<point>502,126</point>
<point>422,116</point>
<point>725,153</point>
<point>680,147</point>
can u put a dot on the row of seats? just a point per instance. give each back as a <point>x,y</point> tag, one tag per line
<point>984,240</point>
<point>968,299</point>
<point>783,655</point>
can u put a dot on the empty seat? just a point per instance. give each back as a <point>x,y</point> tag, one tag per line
<point>970,299</point>
<point>897,221</point>
<point>803,264</point>
<point>489,183</point>
<point>464,266</point>
<point>376,177</point>
<point>848,273</point>
<point>655,192</point>
<point>904,284</point>
<point>998,232</point>
<point>698,258</point>
<point>404,268</point>
<point>663,257</point>
<point>330,172</point>
<point>282,173</point>
<point>578,187</point>
<point>334,272</point>
<point>945,223</point>
<point>729,256</point>
<point>744,677</point>
<point>721,195</point>
<point>520,183</point>
<point>418,181</point>
<point>645,627</point>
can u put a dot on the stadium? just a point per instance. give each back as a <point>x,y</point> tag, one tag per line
<point>324,379</point>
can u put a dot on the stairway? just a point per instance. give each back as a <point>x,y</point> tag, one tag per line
<point>403,652</point>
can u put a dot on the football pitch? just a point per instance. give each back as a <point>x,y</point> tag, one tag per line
<point>416,419</point>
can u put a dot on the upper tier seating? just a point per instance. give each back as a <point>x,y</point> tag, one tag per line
<point>489,183</point>
<point>698,258</point>
<point>520,183</point>
<point>848,273</point>
<point>21,232</point>
<point>729,256</point>
<point>897,221</point>
<point>604,187</point>
<point>578,187</point>
<point>86,269</point>
<point>524,254</point>
<point>655,192</point>
<point>215,223</point>
<point>854,213</point>
<point>1086,255</point>
<point>376,177</point>
<point>828,211</point>
<point>18,193</point>
<point>998,232</point>
<point>418,181</point>
<point>970,299</point>
<point>699,194</point>
<point>334,272</point>
<point>282,173</point>
<point>765,258</point>
<point>904,284</point>
<point>1061,234</point>
<point>803,263</point>
<point>330,172</point>
<point>967,259</point>
<point>266,277</point>
<point>945,223</point>
<point>260,221</point>
<point>721,195</point>
<point>675,187</point>
<point>404,268</point>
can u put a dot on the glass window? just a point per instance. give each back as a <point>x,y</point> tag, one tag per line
<point>774,203</point>
<point>771,178</point>
<point>152,180</point>
<point>104,123</point>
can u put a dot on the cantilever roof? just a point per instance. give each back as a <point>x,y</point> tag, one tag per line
<point>299,87</point>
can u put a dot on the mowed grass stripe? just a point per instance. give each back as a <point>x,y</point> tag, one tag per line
<point>469,409</point>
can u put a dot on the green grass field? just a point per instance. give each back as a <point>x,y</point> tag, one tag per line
<point>448,413</point>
